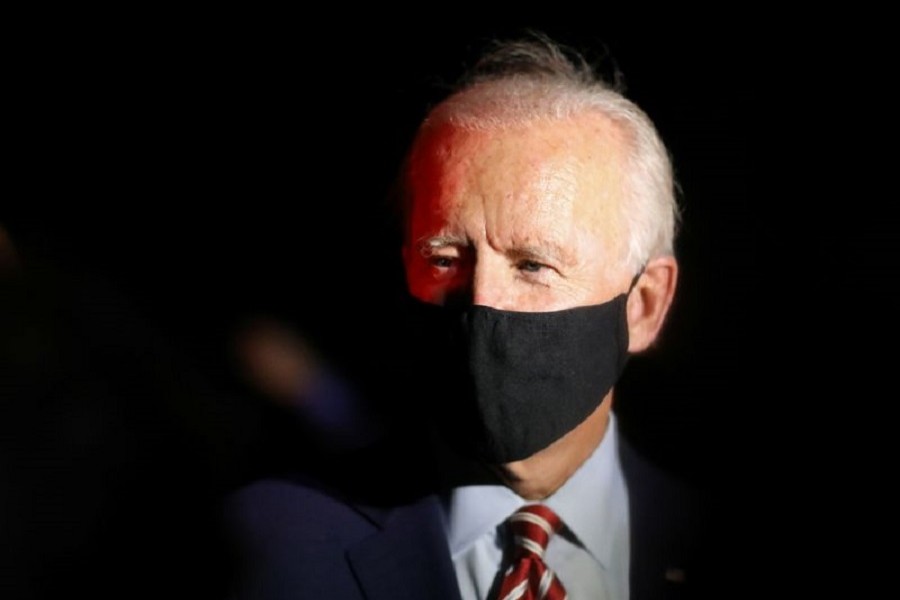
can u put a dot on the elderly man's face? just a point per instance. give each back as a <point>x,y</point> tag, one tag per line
<point>521,219</point>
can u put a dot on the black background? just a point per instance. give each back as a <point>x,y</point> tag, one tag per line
<point>222,169</point>
<point>210,167</point>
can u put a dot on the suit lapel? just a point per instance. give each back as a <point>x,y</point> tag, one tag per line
<point>408,558</point>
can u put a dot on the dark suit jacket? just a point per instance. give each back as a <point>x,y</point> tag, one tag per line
<point>298,541</point>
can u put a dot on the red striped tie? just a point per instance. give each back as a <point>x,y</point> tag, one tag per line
<point>528,577</point>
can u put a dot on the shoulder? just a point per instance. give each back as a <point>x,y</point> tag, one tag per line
<point>297,539</point>
<point>277,510</point>
<point>670,527</point>
<point>661,503</point>
<point>291,536</point>
<point>649,485</point>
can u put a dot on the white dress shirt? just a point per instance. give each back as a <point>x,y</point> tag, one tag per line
<point>590,553</point>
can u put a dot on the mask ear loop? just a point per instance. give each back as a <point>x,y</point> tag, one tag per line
<point>636,277</point>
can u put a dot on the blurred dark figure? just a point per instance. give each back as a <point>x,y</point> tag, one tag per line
<point>112,451</point>
<point>283,366</point>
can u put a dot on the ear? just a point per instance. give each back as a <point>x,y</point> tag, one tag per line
<point>649,302</point>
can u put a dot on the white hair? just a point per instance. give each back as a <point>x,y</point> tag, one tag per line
<point>521,82</point>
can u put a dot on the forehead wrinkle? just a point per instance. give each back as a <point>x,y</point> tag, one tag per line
<point>544,204</point>
<point>541,249</point>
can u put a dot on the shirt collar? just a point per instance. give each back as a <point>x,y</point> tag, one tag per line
<point>590,501</point>
<point>587,503</point>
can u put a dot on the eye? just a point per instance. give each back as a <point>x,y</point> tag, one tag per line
<point>441,262</point>
<point>530,266</point>
<point>442,266</point>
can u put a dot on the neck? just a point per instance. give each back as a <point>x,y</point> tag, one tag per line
<point>540,475</point>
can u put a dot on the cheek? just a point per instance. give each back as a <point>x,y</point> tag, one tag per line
<point>430,284</point>
<point>422,283</point>
<point>418,282</point>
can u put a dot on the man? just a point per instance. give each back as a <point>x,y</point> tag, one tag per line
<point>539,222</point>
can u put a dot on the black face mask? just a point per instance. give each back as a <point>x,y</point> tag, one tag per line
<point>503,385</point>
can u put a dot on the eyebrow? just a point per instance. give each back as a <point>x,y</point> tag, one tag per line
<point>544,251</point>
<point>437,242</point>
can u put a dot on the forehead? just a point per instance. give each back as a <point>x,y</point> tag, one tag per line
<point>546,169</point>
